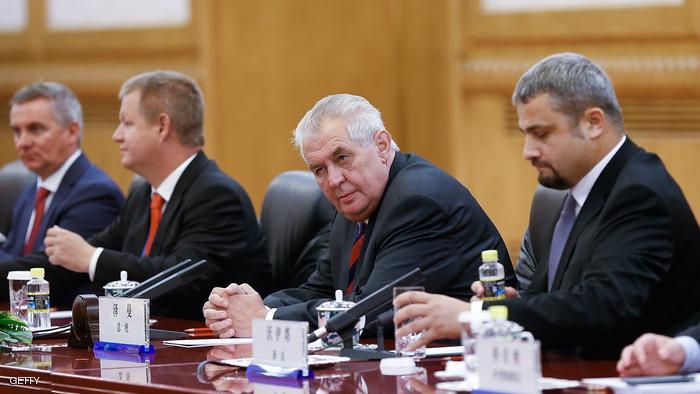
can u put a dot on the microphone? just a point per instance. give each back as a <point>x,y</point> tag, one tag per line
<point>170,279</point>
<point>372,303</point>
<point>85,323</point>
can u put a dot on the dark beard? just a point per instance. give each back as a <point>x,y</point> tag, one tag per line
<point>553,182</point>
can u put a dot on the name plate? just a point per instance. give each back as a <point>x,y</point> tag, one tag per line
<point>280,347</point>
<point>125,371</point>
<point>509,366</point>
<point>124,321</point>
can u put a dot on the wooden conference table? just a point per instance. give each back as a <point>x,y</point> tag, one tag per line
<point>174,369</point>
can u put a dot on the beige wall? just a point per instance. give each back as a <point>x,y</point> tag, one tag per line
<point>441,72</point>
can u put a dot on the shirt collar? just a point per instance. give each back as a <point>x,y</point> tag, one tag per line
<point>581,190</point>
<point>53,181</point>
<point>167,187</point>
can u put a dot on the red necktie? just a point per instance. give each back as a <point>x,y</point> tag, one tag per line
<point>355,256</point>
<point>39,203</point>
<point>156,212</point>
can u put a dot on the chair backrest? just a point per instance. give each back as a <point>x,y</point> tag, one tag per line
<point>296,220</point>
<point>546,204</point>
<point>14,178</point>
<point>136,182</point>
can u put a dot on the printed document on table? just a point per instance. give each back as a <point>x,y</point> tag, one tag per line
<point>621,387</point>
<point>208,342</point>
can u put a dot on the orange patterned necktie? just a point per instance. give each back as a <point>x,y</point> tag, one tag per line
<point>156,212</point>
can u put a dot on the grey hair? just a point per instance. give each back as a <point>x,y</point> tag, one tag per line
<point>363,119</point>
<point>574,83</point>
<point>173,93</point>
<point>66,107</point>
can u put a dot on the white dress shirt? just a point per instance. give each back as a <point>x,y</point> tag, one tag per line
<point>165,190</point>
<point>692,354</point>
<point>582,189</point>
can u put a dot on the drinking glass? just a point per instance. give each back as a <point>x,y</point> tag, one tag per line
<point>401,343</point>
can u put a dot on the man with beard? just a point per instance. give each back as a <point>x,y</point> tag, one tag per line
<point>623,242</point>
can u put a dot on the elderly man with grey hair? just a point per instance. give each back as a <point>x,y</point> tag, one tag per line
<point>70,192</point>
<point>621,247</point>
<point>396,212</point>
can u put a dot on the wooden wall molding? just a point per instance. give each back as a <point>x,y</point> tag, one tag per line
<point>83,78</point>
<point>665,72</point>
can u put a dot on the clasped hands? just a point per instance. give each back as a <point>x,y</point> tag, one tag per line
<point>230,310</point>
<point>434,314</point>
<point>68,249</point>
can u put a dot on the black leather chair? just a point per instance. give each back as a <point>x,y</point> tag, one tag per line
<point>136,182</point>
<point>296,219</point>
<point>14,178</point>
<point>546,204</point>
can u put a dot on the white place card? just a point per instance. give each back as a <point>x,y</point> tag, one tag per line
<point>125,371</point>
<point>281,344</point>
<point>124,320</point>
<point>509,366</point>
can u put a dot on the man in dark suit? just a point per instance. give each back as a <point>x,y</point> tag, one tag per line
<point>396,212</point>
<point>653,354</point>
<point>623,242</point>
<point>46,119</point>
<point>188,210</point>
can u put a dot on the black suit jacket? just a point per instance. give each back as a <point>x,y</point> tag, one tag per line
<point>209,216</point>
<point>426,219</point>
<point>86,202</point>
<point>628,267</point>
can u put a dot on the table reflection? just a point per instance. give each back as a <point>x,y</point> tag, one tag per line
<point>332,379</point>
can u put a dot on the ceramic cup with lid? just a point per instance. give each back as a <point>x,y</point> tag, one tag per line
<point>119,287</point>
<point>328,310</point>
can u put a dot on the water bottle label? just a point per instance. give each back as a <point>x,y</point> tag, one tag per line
<point>494,289</point>
<point>37,303</point>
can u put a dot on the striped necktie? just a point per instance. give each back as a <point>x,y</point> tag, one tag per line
<point>355,255</point>
<point>39,204</point>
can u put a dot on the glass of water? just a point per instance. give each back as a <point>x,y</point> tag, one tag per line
<point>401,343</point>
<point>18,292</point>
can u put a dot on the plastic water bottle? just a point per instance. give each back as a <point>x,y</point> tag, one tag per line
<point>502,328</point>
<point>492,276</point>
<point>38,300</point>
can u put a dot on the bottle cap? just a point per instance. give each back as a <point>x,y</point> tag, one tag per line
<point>37,272</point>
<point>489,255</point>
<point>498,312</point>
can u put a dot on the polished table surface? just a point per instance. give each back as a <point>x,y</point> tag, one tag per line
<point>174,369</point>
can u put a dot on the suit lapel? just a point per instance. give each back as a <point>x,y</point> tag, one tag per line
<point>594,204</point>
<point>366,265</point>
<point>21,222</point>
<point>74,173</point>
<point>138,212</point>
<point>348,235</point>
<point>183,184</point>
